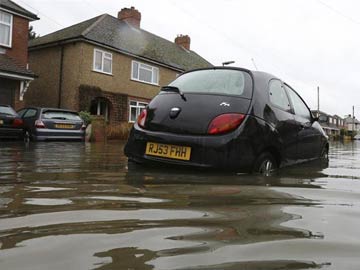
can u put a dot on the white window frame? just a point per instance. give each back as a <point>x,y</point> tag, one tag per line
<point>138,107</point>
<point>11,29</point>
<point>147,67</point>
<point>103,57</point>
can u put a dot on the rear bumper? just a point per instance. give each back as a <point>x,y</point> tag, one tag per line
<point>50,134</point>
<point>11,133</point>
<point>229,151</point>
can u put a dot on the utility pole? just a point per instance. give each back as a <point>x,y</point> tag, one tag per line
<point>353,123</point>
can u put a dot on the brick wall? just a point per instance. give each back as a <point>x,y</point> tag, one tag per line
<point>80,84</point>
<point>19,48</point>
<point>44,90</point>
<point>120,81</point>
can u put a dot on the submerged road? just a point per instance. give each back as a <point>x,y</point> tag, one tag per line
<point>69,205</point>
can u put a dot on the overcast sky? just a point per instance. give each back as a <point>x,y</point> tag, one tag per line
<point>307,43</point>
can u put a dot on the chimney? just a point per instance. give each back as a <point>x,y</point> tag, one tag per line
<point>130,15</point>
<point>183,41</point>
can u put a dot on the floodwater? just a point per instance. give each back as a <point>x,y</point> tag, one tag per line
<point>67,205</point>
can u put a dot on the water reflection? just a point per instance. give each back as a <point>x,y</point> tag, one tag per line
<point>80,206</point>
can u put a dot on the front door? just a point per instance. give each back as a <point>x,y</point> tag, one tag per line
<point>308,137</point>
<point>7,88</point>
<point>280,116</point>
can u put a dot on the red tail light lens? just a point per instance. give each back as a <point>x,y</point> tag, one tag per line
<point>39,124</point>
<point>225,123</point>
<point>18,122</point>
<point>142,117</point>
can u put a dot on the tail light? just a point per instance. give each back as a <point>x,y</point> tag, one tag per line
<point>39,124</point>
<point>18,122</point>
<point>142,117</point>
<point>225,123</point>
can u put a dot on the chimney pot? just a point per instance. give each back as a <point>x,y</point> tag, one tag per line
<point>183,40</point>
<point>130,15</point>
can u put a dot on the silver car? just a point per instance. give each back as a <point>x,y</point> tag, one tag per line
<point>52,124</point>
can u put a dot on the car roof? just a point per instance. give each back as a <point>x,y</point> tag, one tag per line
<point>256,74</point>
<point>49,109</point>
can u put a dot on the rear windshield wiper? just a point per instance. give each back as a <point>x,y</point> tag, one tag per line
<point>173,89</point>
<point>58,118</point>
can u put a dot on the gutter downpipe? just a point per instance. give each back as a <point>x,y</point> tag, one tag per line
<point>61,75</point>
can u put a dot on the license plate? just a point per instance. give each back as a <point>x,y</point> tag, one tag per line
<point>64,126</point>
<point>168,151</point>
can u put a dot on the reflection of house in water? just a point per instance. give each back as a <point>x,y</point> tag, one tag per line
<point>333,125</point>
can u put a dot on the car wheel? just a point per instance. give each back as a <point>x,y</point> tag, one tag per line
<point>265,164</point>
<point>27,136</point>
<point>325,153</point>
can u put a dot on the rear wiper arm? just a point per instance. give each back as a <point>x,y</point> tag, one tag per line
<point>173,89</point>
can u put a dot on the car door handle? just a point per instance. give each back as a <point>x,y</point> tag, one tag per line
<point>305,125</point>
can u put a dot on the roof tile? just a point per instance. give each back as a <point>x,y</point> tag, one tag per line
<point>111,32</point>
<point>11,6</point>
<point>9,65</point>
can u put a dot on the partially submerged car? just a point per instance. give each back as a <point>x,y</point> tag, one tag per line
<point>11,125</point>
<point>52,124</point>
<point>225,117</point>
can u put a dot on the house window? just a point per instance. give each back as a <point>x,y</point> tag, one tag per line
<point>102,61</point>
<point>144,73</point>
<point>6,20</point>
<point>135,109</point>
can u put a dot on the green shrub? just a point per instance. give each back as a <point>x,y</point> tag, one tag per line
<point>86,116</point>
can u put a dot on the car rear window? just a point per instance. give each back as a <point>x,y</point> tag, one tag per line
<point>7,110</point>
<point>60,115</point>
<point>216,81</point>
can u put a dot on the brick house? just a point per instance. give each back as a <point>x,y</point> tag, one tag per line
<point>333,125</point>
<point>15,77</point>
<point>352,124</point>
<point>106,65</point>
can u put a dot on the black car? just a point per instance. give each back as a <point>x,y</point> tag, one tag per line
<point>52,124</point>
<point>230,118</point>
<point>11,125</point>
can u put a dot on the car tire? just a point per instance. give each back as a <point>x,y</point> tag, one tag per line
<point>27,136</point>
<point>325,153</point>
<point>265,164</point>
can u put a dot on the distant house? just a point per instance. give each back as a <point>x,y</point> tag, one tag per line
<point>333,125</point>
<point>352,124</point>
<point>106,65</point>
<point>14,74</point>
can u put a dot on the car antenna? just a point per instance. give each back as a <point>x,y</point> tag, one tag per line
<point>253,61</point>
